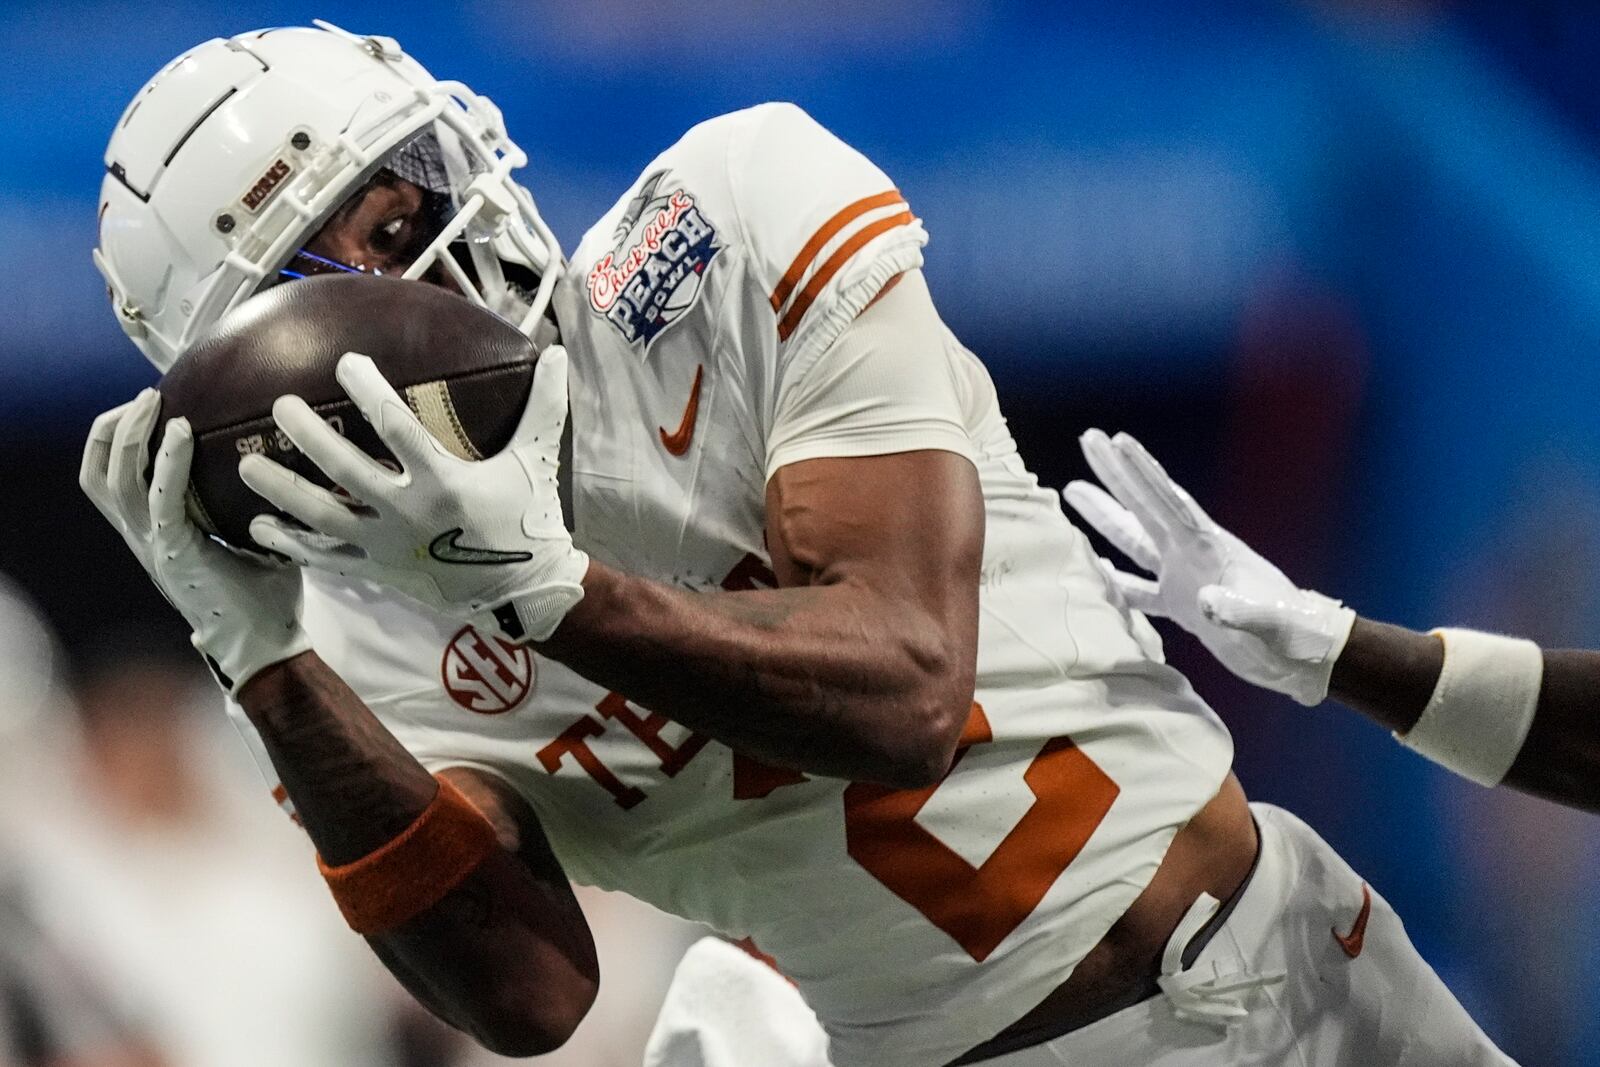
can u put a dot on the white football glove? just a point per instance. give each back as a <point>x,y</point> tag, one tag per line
<point>463,537</point>
<point>244,611</point>
<point>1258,623</point>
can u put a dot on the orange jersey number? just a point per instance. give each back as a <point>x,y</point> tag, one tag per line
<point>979,906</point>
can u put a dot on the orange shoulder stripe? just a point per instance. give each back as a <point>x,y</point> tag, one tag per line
<point>820,279</point>
<point>840,220</point>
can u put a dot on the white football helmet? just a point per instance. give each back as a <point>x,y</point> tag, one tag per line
<point>236,153</point>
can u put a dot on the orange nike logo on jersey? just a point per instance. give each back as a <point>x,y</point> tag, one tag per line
<point>1351,942</point>
<point>678,443</point>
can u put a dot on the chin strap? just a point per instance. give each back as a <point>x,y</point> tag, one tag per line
<point>1207,992</point>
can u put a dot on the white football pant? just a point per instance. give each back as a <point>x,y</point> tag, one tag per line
<point>1297,976</point>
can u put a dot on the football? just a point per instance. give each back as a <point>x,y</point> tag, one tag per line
<point>463,370</point>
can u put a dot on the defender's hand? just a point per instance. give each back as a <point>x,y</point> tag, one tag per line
<point>245,612</point>
<point>461,536</point>
<point>1243,609</point>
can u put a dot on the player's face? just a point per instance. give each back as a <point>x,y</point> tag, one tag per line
<point>382,229</point>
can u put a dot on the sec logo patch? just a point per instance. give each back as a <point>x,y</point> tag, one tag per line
<point>486,674</point>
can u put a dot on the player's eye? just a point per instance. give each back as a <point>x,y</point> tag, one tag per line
<point>386,238</point>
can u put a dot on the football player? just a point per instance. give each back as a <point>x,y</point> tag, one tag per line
<point>792,644</point>
<point>1490,708</point>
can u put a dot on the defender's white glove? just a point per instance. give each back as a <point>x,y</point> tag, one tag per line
<point>462,536</point>
<point>1258,623</point>
<point>245,612</point>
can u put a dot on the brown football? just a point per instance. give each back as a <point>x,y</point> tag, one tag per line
<point>463,370</point>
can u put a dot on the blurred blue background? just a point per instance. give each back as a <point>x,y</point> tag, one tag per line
<point>1338,263</point>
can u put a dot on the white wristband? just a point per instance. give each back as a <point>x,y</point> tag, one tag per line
<point>1482,706</point>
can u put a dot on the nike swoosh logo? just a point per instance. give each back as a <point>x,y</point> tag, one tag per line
<point>678,443</point>
<point>447,548</point>
<point>1352,942</point>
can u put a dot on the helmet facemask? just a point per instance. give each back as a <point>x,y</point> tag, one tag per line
<point>297,135</point>
<point>417,218</point>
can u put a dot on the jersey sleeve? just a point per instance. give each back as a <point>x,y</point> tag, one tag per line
<point>885,384</point>
<point>825,228</point>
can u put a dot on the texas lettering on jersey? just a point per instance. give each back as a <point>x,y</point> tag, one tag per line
<point>752,779</point>
<point>1072,795</point>
<point>657,270</point>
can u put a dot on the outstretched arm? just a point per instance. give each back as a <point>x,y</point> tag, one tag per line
<point>1490,708</point>
<point>1390,674</point>
<point>502,952</point>
<point>506,954</point>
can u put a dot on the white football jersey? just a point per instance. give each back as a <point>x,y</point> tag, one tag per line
<point>917,923</point>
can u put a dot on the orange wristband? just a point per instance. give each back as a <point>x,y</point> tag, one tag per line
<point>415,871</point>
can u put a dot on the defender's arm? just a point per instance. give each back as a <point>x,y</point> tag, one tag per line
<point>506,954</point>
<point>1390,674</point>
